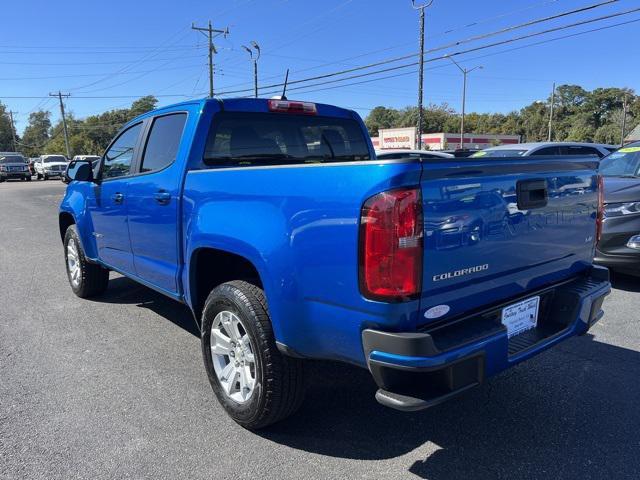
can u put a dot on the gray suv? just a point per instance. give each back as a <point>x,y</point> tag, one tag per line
<point>13,166</point>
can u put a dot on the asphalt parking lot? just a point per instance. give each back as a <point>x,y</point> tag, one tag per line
<point>115,388</point>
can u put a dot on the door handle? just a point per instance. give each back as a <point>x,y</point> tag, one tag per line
<point>117,197</point>
<point>162,197</point>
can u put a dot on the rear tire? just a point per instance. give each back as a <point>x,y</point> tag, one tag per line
<point>86,279</point>
<point>277,389</point>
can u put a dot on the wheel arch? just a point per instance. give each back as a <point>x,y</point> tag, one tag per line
<point>65,220</point>
<point>210,267</point>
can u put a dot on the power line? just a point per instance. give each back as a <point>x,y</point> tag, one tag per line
<point>442,66</point>
<point>443,33</point>
<point>182,67</point>
<point>68,64</point>
<point>462,52</point>
<point>142,59</point>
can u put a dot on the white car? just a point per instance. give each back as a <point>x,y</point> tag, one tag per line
<point>547,148</point>
<point>421,154</point>
<point>49,166</point>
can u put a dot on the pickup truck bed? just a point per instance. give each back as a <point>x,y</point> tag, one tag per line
<point>432,275</point>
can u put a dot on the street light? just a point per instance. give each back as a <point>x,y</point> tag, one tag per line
<point>421,66</point>
<point>256,47</point>
<point>465,72</point>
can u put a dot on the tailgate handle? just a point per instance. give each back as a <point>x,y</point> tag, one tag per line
<point>532,194</point>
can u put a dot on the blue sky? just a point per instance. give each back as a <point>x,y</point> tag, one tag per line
<point>122,48</point>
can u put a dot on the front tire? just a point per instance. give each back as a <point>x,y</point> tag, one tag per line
<point>86,279</point>
<point>255,384</point>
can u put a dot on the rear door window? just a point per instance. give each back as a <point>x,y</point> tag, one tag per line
<point>163,142</point>
<point>256,139</point>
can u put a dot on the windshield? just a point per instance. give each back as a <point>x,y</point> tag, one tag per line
<point>12,159</point>
<point>623,163</point>
<point>246,139</point>
<point>56,158</point>
<point>498,153</point>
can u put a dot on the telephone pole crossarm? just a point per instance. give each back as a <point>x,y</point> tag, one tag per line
<point>210,33</point>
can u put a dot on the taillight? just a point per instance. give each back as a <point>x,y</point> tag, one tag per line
<point>287,106</point>
<point>391,245</point>
<point>600,213</point>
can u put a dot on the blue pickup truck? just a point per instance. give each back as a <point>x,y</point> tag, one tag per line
<point>286,237</point>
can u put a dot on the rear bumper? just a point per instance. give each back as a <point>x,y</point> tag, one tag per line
<point>612,249</point>
<point>628,263</point>
<point>418,370</point>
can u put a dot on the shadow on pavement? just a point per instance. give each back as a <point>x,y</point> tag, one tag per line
<point>122,290</point>
<point>628,283</point>
<point>571,413</point>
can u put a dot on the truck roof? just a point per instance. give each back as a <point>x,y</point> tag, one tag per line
<point>531,145</point>
<point>246,105</point>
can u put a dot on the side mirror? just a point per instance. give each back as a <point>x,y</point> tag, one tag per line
<point>79,171</point>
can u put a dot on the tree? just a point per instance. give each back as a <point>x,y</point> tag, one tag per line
<point>580,115</point>
<point>381,117</point>
<point>142,105</point>
<point>36,134</point>
<point>6,131</point>
<point>609,133</point>
<point>93,134</point>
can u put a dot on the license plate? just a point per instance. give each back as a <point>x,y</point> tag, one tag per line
<point>521,316</point>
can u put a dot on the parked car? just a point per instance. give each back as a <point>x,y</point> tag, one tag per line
<point>619,247</point>
<point>273,221</point>
<point>51,166</point>
<point>418,154</point>
<point>547,148</point>
<point>13,166</point>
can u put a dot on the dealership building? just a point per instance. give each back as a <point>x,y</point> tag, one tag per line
<point>406,138</point>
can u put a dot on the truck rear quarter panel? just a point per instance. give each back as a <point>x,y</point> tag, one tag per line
<point>298,225</point>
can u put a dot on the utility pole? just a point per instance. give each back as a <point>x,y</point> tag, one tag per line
<point>553,101</point>
<point>624,120</point>
<point>465,72</point>
<point>13,131</point>
<point>421,67</point>
<point>255,64</point>
<point>64,119</point>
<point>211,33</point>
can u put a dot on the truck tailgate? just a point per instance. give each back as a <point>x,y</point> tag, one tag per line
<point>497,228</point>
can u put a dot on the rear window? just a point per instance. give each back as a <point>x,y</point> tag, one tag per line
<point>255,139</point>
